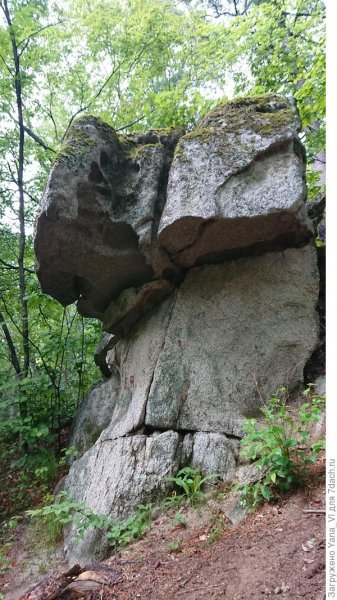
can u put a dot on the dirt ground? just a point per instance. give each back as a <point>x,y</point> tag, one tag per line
<point>266,555</point>
<point>277,551</point>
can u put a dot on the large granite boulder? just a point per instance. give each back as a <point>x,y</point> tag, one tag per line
<point>193,368</point>
<point>194,251</point>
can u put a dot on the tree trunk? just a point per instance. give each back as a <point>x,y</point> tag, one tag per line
<point>20,171</point>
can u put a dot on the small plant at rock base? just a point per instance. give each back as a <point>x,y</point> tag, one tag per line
<point>179,520</point>
<point>280,446</point>
<point>175,545</point>
<point>67,454</point>
<point>122,534</point>
<point>190,482</point>
<point>218,527</point>
<point>66,511</point>
<point>4,559</point>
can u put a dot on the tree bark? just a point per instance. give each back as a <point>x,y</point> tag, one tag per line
<point>12,352</point>
<point>20,170</point>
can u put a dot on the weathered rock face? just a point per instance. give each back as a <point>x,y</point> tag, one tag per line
<point>188,353</point>
<point>117,475</point>
<point>95,233</point>
<point>230,334</point>
<point>228,189</point>
<point>236,330</point>
<point>94,414</point>
<point>110,221</point>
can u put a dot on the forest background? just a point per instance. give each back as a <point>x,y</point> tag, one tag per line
<point>137,64</point>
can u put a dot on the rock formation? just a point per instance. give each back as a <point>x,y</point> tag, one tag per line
<point>194,251</point>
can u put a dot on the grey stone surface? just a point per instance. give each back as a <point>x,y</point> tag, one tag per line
<point>234,510</point>
<point>320,385</point>
<point>195,362</point>
<point>247,474</point>
<point>132,304</point>
<point>133,361</point>
<point>94,414</point>
<point>107,343</point>
<point>215,453</point>
<point>94,234</point>
<point>236,331</point>
<point>237,183</point>
<point>131,470</point>
<point>114,477</point>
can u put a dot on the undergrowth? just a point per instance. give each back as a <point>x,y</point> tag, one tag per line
<point>189,482</point>
<point>51,518</point>
<point>281,447</point>
<point>55,515</point>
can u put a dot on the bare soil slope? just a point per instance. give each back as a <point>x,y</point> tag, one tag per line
<point>278,550</point>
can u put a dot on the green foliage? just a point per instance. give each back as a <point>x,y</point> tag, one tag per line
<point>189,481</point>
<point>41,463</point>
<point>280,446</point>
<point>65,511</point>
<point>122,534</point>
<point>4,560</point>
<point>175,545</point>
<point>319,243</point>
<point>179,520</point>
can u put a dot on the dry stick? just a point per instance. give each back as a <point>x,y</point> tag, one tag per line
<point>314,511</point>
<point>15,267</point>
<point>258,389</point>
<point>301,362</point>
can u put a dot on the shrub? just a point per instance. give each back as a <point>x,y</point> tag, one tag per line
<point>281,446</point>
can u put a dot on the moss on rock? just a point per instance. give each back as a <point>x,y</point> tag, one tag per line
<point>79,141</point>
<point>136,152</point>
<point>229,126</point>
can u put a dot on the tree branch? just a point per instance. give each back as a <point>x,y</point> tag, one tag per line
<point>105,83</point>
<point>12,352</point>
<point>15,267</point>
<point>52,379</point>
<point>130,124</point>
<point>31,35</point>
<point>37,139</point>
<point>6,65</point>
